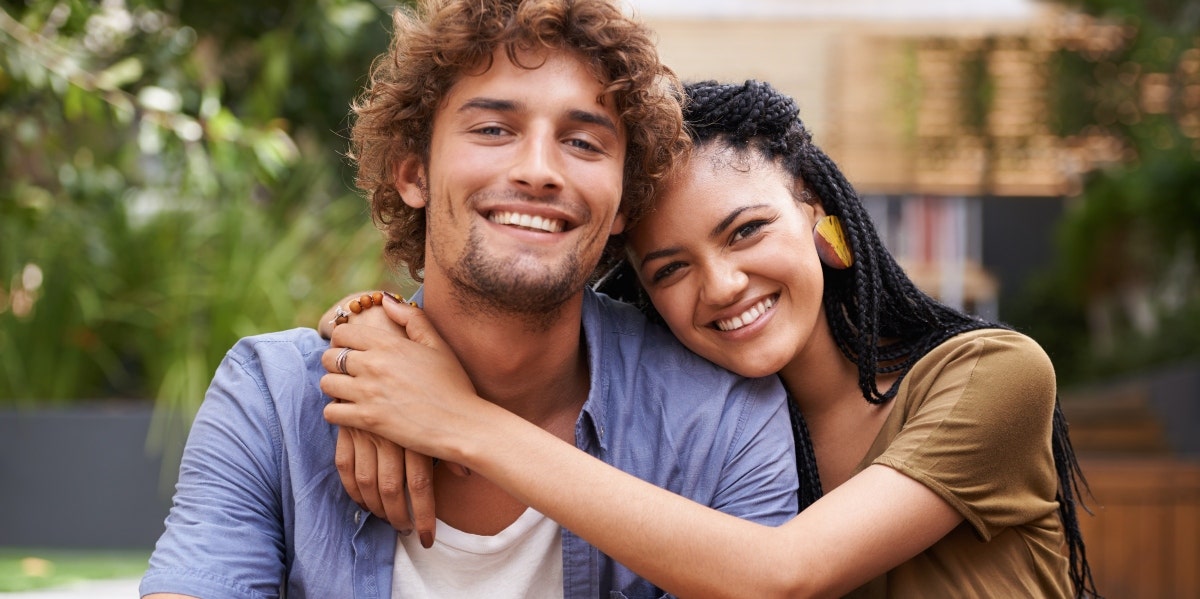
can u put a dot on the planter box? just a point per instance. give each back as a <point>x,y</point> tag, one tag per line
<point>82,477</point>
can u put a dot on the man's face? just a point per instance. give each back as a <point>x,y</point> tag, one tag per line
<point>523,183</point>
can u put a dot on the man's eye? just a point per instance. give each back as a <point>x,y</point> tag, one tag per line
<point>489,131</point>
<point>583,145</point>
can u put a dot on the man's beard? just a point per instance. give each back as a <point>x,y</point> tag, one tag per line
<point>501,287</point>
<point>495,285</point>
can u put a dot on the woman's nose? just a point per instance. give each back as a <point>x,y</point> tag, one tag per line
<point>724,283</point>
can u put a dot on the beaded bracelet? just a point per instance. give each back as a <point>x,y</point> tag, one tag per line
<point>359,304</point>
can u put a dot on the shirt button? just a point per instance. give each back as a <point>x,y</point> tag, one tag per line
<point>357,516</point>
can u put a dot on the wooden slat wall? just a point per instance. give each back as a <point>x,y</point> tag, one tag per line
<point>1144,537</point>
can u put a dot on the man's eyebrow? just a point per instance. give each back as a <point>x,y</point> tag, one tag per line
<point>490,104</point>
<point>593,118</point>
<point>728,220</point>
<point>498,105</point>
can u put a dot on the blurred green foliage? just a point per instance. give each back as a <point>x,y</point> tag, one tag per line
<point>173,177</point>
<point>1124,294</point>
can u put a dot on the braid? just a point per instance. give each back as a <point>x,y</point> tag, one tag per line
<point>878,317</point>
<point>806,459</point>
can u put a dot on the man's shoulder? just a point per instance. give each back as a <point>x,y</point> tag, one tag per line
<point>282,364</point>
<point>300,343</point>
<point>623,327</point>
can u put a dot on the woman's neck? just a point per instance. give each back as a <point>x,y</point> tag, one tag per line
<point>841,423</point>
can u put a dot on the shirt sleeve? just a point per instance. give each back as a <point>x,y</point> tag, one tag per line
<point>224,534</point>
<point>759,479</point>
<point>977,430</point>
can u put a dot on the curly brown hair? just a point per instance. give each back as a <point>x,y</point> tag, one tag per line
<point>435,43</point>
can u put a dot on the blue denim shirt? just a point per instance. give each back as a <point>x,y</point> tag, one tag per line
<point>259,510</point>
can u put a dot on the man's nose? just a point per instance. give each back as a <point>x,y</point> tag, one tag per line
<point>724,283</point>
<point>538,165</point>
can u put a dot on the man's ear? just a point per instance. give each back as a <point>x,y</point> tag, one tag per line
<point>618,225</point>
<point>407,177</point>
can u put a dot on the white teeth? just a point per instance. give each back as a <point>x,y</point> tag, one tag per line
<point>747,317</point>
<point>528,221</point>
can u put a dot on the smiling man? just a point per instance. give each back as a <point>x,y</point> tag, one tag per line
<point>501,143</point>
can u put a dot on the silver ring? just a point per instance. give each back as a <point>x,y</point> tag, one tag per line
<point>341,360</point>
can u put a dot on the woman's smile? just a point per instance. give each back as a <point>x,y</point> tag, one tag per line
<point>747,318</point>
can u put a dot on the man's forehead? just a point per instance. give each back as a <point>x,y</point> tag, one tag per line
<point>502,64</point>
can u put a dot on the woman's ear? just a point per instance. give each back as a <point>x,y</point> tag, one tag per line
<point>407,178</point>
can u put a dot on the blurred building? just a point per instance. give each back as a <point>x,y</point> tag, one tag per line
<point>935,109</point>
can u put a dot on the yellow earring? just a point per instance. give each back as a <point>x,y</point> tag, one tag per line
<point>831,243</point>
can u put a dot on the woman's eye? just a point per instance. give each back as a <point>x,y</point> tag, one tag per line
<point>666,271</point>
<point>748,230</point>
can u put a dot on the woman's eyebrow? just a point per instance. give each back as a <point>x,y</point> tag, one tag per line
<point>656,254</point>
<point>728,220</point>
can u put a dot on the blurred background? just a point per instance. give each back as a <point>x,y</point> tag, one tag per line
<point>173,177</point>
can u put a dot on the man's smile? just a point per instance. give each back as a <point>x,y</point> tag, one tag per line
<point>527,221</point>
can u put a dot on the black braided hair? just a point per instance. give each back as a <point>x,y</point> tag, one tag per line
<point>878,317</point>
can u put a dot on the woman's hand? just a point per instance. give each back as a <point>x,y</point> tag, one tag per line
<point>433,412</point>
<point>375,471</point>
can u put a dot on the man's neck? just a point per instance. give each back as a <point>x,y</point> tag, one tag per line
<point>536,372</point>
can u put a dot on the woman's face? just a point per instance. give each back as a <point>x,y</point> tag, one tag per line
<point>728,259</point>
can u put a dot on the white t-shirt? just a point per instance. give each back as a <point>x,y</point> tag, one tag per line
<point>523,560</point>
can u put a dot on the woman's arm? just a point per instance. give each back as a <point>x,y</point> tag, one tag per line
<point>870,524</point>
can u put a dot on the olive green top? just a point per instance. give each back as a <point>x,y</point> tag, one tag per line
<point>972,421</point>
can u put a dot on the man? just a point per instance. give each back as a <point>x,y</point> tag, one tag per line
<point>501,143</point>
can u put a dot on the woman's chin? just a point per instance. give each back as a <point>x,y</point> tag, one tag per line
<point>750,368</point>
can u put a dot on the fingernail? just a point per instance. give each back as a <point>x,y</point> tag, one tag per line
<point>393,296</point>
<point>427,539</point>
<point>406,532</point>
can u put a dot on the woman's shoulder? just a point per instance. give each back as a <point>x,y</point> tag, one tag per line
<point>993,366</point>
<point>1005,350</point>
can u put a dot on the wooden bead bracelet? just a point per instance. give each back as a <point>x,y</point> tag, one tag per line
<point>359,304</point>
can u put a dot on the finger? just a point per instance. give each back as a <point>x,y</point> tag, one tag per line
<point>391,484</point>
<point>331,357</point>
<point>415,323</point>
<point>344,460</point>
<point>419,468</point>
<point>340,386</point>
<point>361,336</point>
<point>366,472</point>
<point>343,414</point>
<point>456,469</point>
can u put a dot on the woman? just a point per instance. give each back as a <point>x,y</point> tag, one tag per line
<point>954,478</point>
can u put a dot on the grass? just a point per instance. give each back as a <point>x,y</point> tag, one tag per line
<point>30,569</point>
